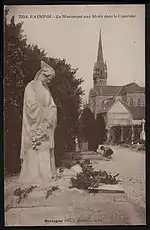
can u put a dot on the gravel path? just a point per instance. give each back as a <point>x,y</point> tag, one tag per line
<point>130,165</point>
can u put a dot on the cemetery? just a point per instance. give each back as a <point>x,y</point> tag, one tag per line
<point>67,162</point>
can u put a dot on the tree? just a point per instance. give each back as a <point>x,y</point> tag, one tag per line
<point>21,62</point>
<point>87,128</point>
<point>92,130</point>
<point>100,129</point>
<point>67,93</point>
<point>14,54</point>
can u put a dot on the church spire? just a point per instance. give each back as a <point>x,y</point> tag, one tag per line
<point>100,67</point>
<point>100,50</point>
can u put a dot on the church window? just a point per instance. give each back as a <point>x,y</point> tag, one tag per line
<point>139,102</point>
<point>131,102</point>
<point>95,81</point>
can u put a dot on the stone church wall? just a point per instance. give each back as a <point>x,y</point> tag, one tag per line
<point>134,97</point>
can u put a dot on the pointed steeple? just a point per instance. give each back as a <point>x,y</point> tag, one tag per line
<point>105,65</point>
<point>100,50</point>
<point>100,67</point>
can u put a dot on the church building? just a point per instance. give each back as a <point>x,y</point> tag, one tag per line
<point>120,105</point>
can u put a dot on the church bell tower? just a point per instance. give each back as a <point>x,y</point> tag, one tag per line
<point>100,67</point>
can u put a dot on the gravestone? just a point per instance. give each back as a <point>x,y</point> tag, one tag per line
<point>84,146</point>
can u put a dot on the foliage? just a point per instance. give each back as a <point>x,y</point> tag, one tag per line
<point>100,129</point>
<point>50,191</point>
<point>87,128</point>
<point>137,131</point>
<point>87,122</point>
<point>23,192</point>
<point>90,178</point>
<point>142,148</point>
<point>14,50</point>
<point>21,62</point>
<point>39,137</point>
<point>91,129</point>
<point>67,92</point>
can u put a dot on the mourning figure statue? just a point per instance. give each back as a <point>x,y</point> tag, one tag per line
<point>38,127</point>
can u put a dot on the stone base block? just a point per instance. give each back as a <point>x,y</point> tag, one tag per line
<point>117,188</point>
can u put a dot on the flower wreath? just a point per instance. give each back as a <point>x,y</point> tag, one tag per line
<point>40,136</point>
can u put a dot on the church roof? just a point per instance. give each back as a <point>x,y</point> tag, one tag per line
<point>142,89</point>
<point>138,112</point>
<point>107,105</point>
<point>131,88</point>
<point>110,90</point>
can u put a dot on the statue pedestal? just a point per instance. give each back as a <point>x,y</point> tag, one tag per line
<point>37,193</point>
<point>116,188</point>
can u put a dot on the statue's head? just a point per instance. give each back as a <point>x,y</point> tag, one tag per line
<point>46,73</point>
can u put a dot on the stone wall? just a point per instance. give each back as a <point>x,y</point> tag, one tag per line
<point>135,97</point>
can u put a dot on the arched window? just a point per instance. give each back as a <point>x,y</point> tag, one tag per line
<point>139,102</point>
<point>131,102</point>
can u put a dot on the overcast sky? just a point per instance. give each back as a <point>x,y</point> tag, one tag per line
<point>76,39</point>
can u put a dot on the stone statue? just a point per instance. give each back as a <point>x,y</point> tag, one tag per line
<point>38,127</point>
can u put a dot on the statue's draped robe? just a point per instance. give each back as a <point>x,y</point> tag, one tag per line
<point>39,113</point>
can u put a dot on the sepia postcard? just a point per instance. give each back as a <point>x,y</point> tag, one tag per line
<point>74,119</point>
